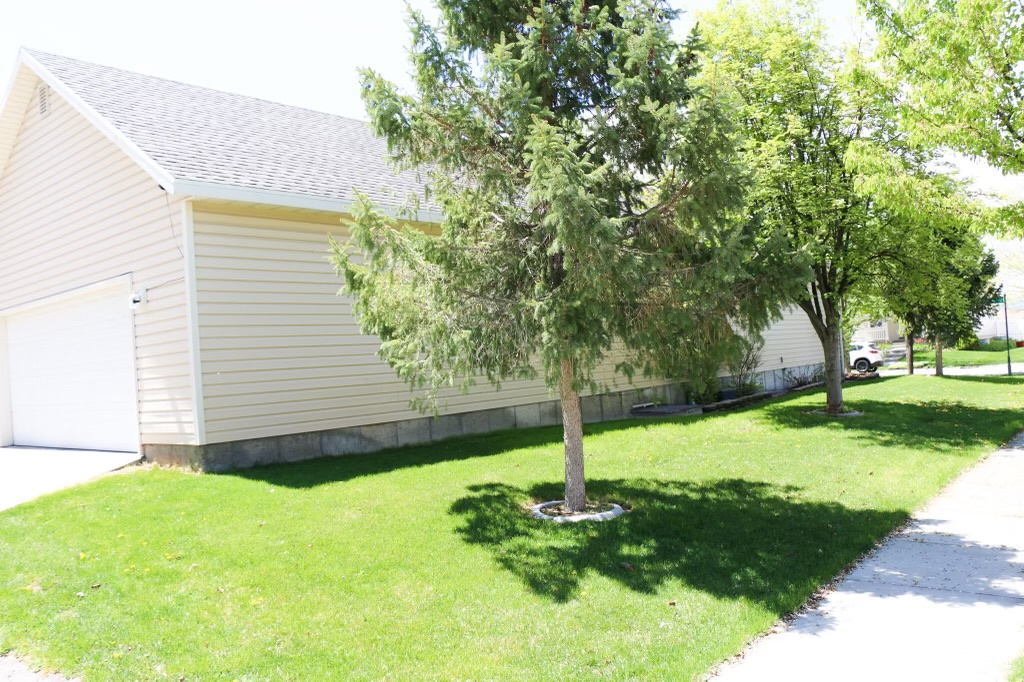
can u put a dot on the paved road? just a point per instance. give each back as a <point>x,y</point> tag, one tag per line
<point>942,600</point>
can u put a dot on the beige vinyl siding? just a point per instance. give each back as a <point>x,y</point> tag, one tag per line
<point>791,342</point>
<point>280,351</point>
<point>75,210</point>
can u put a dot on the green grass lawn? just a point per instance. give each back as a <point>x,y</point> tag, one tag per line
<point>964,358</point>
<point>421,563</point>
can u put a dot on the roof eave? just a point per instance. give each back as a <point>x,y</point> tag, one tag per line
<point>222,192</point>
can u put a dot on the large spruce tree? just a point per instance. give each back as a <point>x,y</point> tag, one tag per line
<point>589,198</point>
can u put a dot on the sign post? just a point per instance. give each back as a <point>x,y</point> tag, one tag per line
<point>1006,321</point>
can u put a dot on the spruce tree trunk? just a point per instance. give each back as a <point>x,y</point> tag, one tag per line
<point>910,354</point>
<point>572,430</point>
<point>833,371</point>
<point>938,357</point>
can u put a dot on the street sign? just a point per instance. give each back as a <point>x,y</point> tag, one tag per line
<point>1006,321</point>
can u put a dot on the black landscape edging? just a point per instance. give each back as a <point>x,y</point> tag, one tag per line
<point>695,409</point>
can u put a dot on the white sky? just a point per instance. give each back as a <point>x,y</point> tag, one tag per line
<point>299,52</point>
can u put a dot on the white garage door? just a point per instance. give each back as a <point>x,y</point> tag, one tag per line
<point>72,373</point>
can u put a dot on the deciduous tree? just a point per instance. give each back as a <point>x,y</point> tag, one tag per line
<point>803,108</point>
<point>945,283</point>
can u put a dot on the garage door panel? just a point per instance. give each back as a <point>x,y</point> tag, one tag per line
<point>72,374</point>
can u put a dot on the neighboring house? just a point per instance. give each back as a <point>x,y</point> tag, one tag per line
<point>997,326</point>
<point>1010,254</point>
<point>877,331</point>
<point>164,285</point>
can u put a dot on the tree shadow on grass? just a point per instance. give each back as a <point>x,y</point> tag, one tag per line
<point>940,425</point>
<point>731,538</point>
<point>333,469</point>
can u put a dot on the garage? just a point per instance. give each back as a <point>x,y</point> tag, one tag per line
<point>71,372</point>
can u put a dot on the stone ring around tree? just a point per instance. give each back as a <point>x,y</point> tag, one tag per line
<point>844,413</point>
<point>537,510</point>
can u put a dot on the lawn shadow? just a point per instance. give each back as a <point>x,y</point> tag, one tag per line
<point>310,473</point>
<point>941,425</point>
<point>731,538</point>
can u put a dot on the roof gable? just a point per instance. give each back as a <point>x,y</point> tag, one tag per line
<point>203,142</point>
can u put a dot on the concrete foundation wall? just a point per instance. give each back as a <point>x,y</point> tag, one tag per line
<point>373,437</point>
<point>353,440</point>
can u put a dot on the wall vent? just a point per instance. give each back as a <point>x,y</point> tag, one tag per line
<point>44,100</point>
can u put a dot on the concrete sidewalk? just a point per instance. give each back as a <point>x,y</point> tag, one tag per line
<point>979,371</point>
<point>942,600</point>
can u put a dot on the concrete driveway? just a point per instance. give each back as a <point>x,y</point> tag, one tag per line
<point>27,473</point>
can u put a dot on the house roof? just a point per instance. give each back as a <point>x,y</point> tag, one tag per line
<point>202,142</point>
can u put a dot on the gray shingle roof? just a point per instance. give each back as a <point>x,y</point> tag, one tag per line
<point>204,135</point>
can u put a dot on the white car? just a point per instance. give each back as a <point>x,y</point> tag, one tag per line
<point>865,357</point>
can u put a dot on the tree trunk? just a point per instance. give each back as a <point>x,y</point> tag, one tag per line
<point>938,357</point>
<point>833,370</point>
<point>827,323</point>
<point>572,430</point>
<point>910,353</point>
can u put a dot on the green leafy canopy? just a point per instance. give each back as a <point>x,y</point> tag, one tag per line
<point>961,65</point>
<point>832,168</point>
